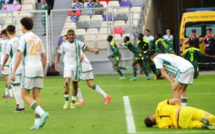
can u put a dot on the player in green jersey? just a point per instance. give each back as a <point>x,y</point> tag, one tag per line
<point>192,54</point>
<point>143,45</point>
<point>162,46</point>
<point>116,56</point>
<point>138,59</point>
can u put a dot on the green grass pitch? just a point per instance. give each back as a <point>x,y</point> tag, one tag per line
<point>96,118</point>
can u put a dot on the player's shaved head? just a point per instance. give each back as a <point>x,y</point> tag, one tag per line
<point>70,31</point>
<point>11,29</point>
<point>109,38</point>
<point>140,36</point>
<point>126,39</point>
<point>191,43</point>
<point>158,35</point>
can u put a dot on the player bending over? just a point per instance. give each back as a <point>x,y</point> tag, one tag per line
<point>31,51</point>
<point>87,75</point>
<point>192,54</point>
<point>116,56</point>
<point>138,59</point>
<point>11,52</point>
<point>170,114</point>
<point>183,69</point>
<point>5,72</point>
<point>71,49</point>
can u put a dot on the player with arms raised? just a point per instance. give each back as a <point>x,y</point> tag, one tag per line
<point>32,51</point>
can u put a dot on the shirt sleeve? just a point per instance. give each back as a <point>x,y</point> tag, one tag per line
<point>82,45</point>
<point>158,63</point>
<point>8,49</point>
<point>21,47</point>
<point>60,49</point>
<point>126,44</point>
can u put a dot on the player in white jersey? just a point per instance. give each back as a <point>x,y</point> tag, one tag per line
<point>72,65</point>
<point>31,52</point>
<point>173,64</point>
<point>87,75</point>
<point>11,53</point>
<point>5,71</point>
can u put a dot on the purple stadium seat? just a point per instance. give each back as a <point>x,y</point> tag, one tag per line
<point>60,40</point>
<point>110,18</point>
<point>125,3</point>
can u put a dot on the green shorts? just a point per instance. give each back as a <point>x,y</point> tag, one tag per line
<point>116,60</point>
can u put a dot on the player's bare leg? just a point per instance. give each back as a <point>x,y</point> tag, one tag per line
<point>34,105</point>
<point>74,93</point>
<point>8,89</point>
<point>175,89</point>
<point>66,93</point>
<point>183,95</point>
<point>134,65</point>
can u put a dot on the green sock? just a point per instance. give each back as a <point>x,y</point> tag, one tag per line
<point>152,66</point>
<point>118,70</point>
<point>122,68</point>
<point>135,71</point>
<point>145,71</point>
<point>34,105</point>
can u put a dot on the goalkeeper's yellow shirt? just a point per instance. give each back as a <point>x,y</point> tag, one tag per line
<point>166,115</point>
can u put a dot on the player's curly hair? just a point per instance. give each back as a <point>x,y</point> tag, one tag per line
<point>152,53</point>
<point>27,22</point>
<point>148,122</point>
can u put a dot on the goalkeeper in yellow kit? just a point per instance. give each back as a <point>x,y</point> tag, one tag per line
<point>170,114</point>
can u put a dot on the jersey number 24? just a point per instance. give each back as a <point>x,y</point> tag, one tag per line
<point>35,48</point>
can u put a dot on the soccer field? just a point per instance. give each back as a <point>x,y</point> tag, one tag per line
<point>138,99</point>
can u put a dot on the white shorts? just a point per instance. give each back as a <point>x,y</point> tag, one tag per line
<point>72,74</point>
<point>31,83</point>
<point>185,77</point>
<point>87,76</point>
<point>17,81</point>
<point>6,70</point>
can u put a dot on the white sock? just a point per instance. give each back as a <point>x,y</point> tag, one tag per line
<point>19,96</point>
<point>66,96</point>
<point>100,91</point>
<point>36,121</point>
<point>73,98</point>
<point>184,101</point>
<point>37,109</point>
<point>11,92</point>
<point>79,95</point>
<point>6,91</point>
<point>15,94</point>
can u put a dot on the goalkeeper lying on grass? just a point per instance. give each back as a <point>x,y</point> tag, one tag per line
<point>170,114</point>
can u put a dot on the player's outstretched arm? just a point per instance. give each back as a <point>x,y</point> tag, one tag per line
<point>209,56</point>
<point>96,51</point>
<point>174,101</point>
<point>57,61</point>
<point>17,62</point>
<point>44,59</point>
<point>6,57</point>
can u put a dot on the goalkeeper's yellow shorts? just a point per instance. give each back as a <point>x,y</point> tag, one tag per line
<point>189,117</point>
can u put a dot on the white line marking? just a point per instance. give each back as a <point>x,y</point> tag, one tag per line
<point>177,132</point>
<point>129,116</point>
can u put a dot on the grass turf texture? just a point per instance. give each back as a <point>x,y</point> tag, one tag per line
<point>96,118</point>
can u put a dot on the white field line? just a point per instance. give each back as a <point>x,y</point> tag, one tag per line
<point>129,116</point>
<point>177,132</point>
<point>171,94</point>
